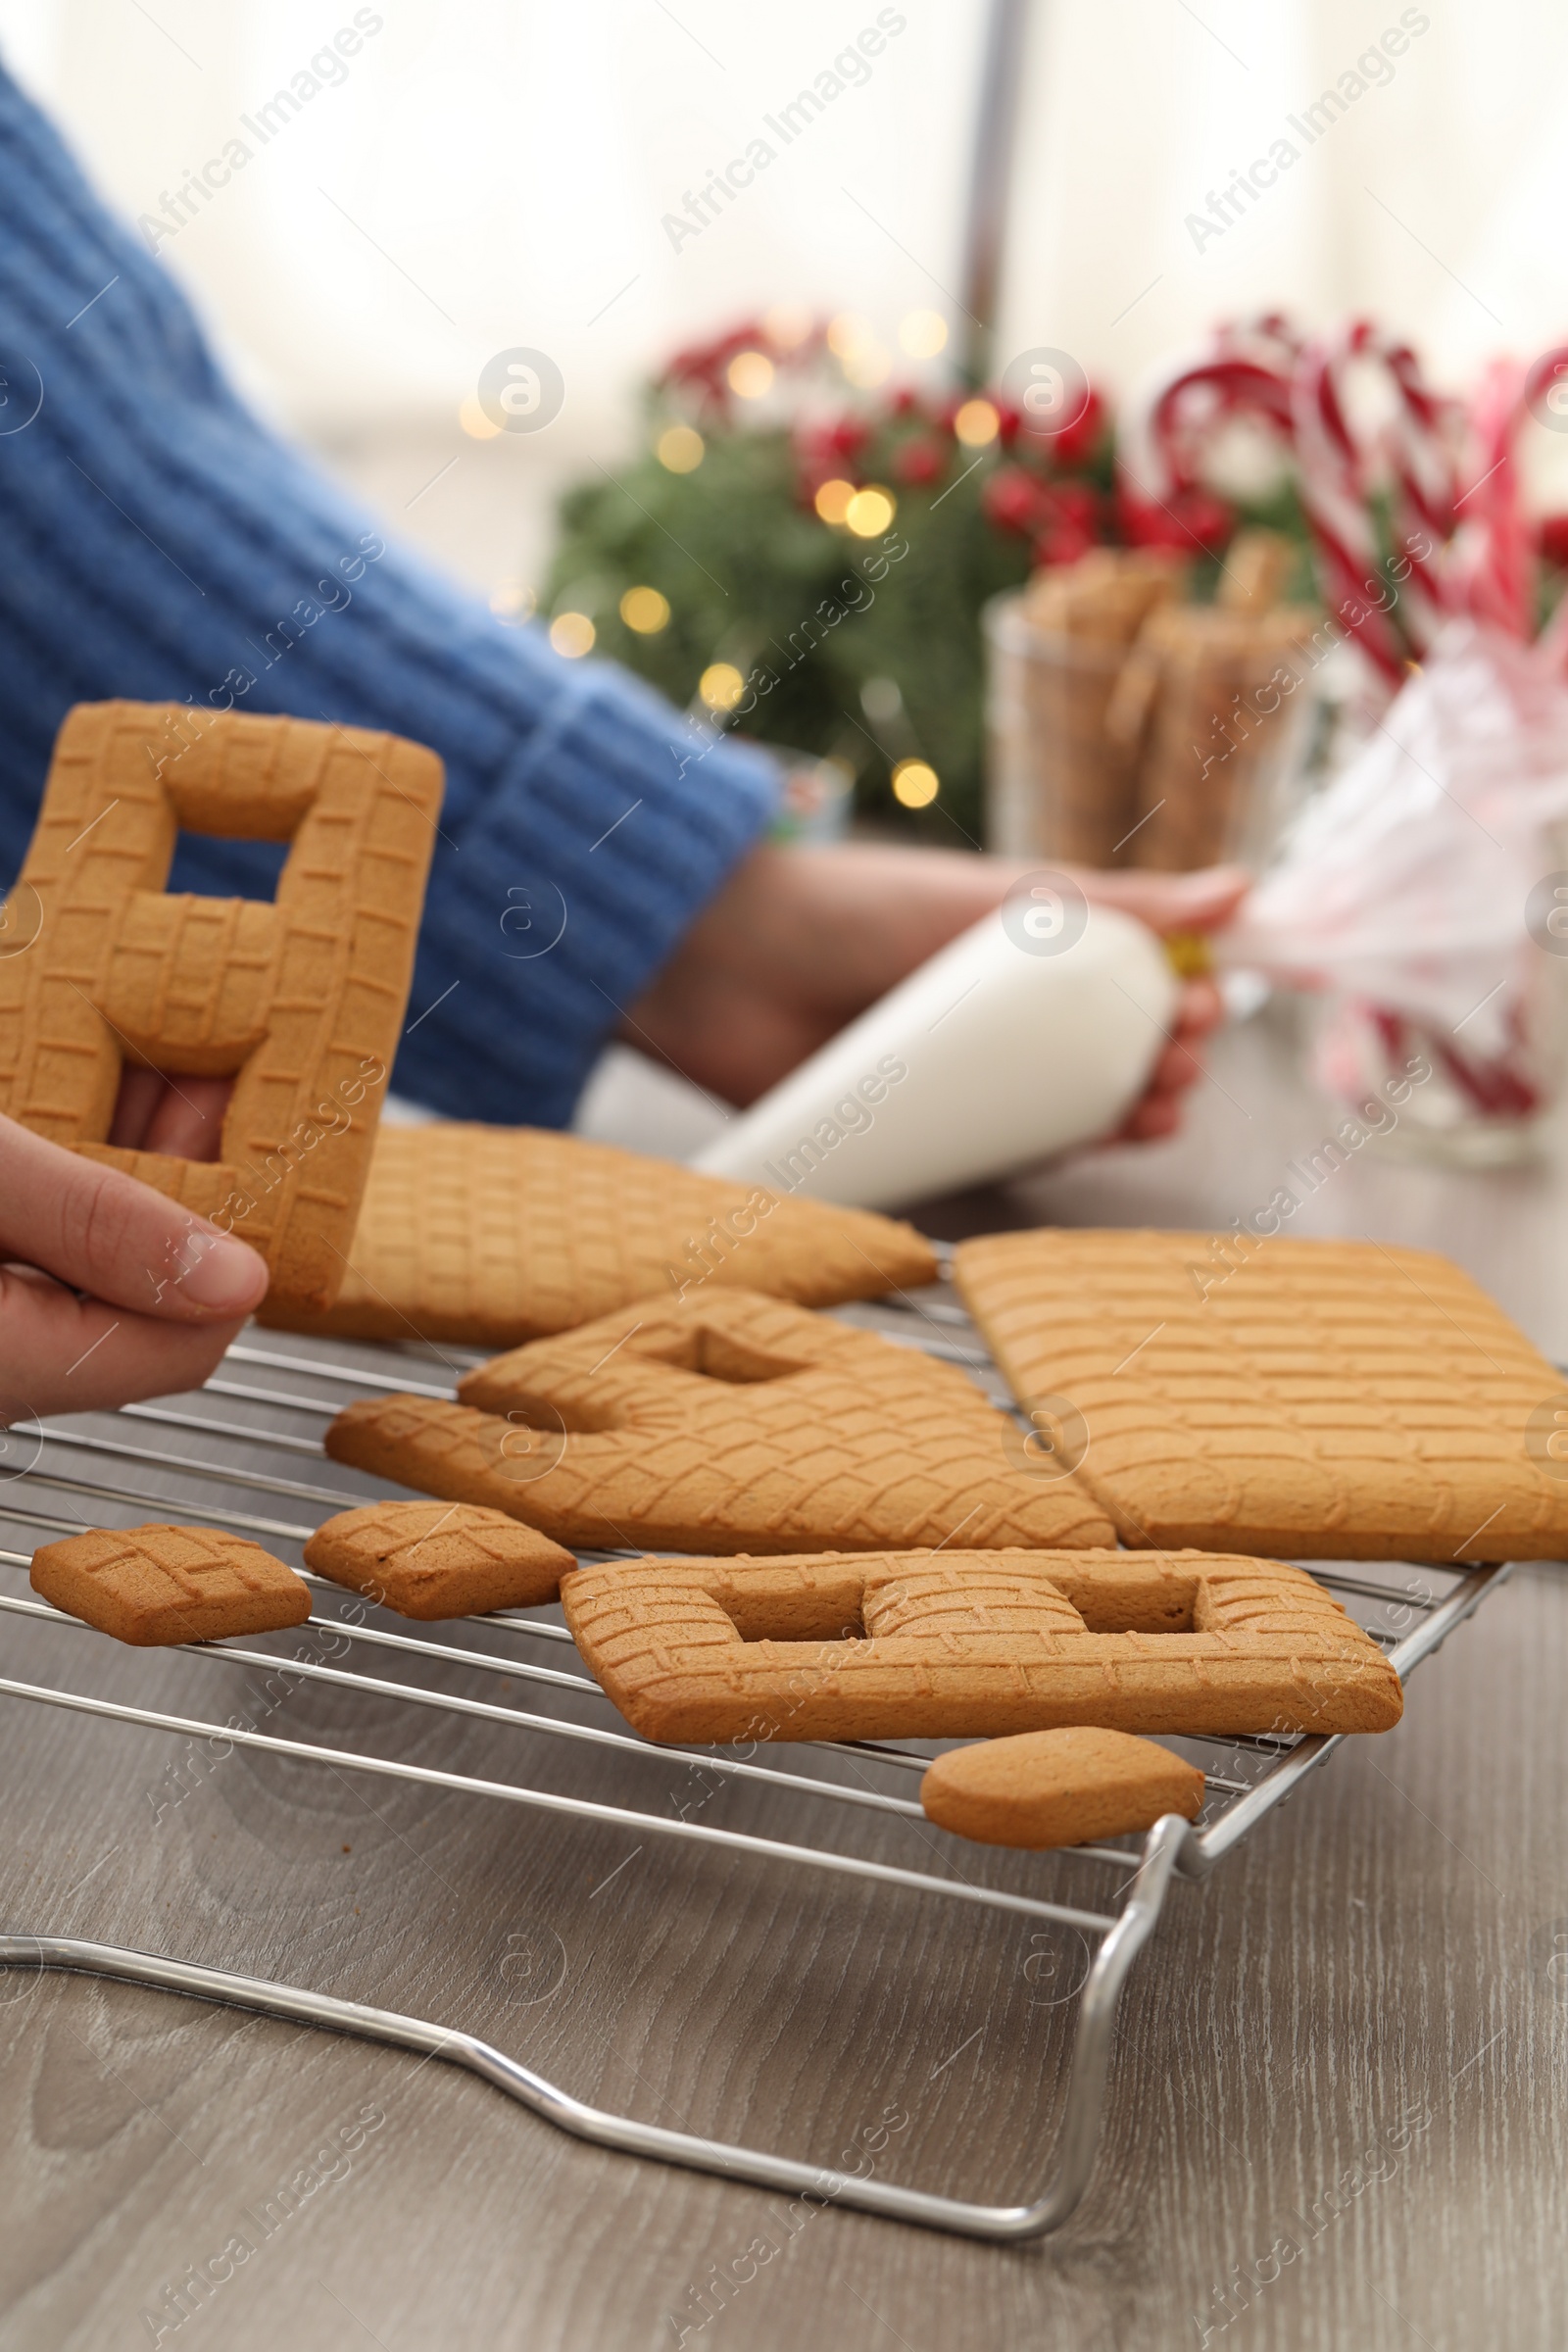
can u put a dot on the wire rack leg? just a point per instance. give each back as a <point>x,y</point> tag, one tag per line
<point>1080,2133</point>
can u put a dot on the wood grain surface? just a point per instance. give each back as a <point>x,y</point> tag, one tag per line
<point>1340,2069</point>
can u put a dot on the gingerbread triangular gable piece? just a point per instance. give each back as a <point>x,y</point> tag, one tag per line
<point>491,1235</point>
<point>302,1001</point>
<point>733,1423</point>
<point>1324,1399</point>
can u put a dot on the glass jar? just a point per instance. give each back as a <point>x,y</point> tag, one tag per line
<point>1186,746</point>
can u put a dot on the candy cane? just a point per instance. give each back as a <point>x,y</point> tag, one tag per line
<point>1424,485</point>
<point>1244,368</point>
<point>1332,491</point>
<point>1259,368</point>
<point>1492,564</point>
<point>1490,568</point>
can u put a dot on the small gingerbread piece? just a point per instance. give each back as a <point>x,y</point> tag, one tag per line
<point>1063,1787</point>
<point>438,1559</point>
<point>156,1585</point>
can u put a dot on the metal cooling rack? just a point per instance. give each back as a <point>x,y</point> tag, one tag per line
<point>267,1477</point>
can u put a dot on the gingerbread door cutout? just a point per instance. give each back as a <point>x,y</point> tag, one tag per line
<point>725,1423</point>
<point>301,1001</point>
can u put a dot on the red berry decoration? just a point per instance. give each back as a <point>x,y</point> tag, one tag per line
<point>1012,501</point>
<point>920,460</point>
<point>1555,538</point>
<point>1184,524</point>
<point>1076,441</point>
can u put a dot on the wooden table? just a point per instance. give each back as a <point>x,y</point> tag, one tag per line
<point>1350,2040</point>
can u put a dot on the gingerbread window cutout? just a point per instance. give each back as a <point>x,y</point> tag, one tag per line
<point>299,1001</point>
<point>734,1423</point>
<point>974,1645</point>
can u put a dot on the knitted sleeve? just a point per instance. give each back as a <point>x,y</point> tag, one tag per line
<point>158,542</point>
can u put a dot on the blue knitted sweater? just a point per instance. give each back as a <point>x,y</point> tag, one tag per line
<point>158,542</point>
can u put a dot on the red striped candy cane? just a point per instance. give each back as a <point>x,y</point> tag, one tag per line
<point>1422,460</point>
<point>1244,370</point>
<point>1332,491</point>
<point>1494,559</point>
<point>1491,566</point>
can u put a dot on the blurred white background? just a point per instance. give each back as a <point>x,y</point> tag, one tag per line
<point>497,175</point>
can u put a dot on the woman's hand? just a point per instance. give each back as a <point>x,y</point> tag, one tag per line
<point>1171,904</point>
<point>166,1291</point>
<point>800,941</point>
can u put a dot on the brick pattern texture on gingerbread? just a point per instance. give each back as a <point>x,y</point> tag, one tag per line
<point>156,1585</point>
<point>300,1001</point>
<point>434,1560</point>
<point>488,1236</point>
<point>1324,1399</point>
<point>974,1645</point>
<point>734,1423</point>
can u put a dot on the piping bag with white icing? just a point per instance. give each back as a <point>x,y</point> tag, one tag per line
<point>1034,1030</point>
<point>1422,897</point>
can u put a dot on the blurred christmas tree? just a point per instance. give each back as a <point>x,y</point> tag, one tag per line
<point>804,556</point>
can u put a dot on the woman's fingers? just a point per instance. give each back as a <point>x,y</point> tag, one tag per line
<point>1159,1111</point>
<point>1200,1008</point>
<point>63,1354</point>
<point>1177,1068</point>
<point>188,1119</point>
<point>1167,902</point>
<point>1155,1116</point>
<point>140,1092</point>
<point>98,1230</point>
<point>182,1116</point>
